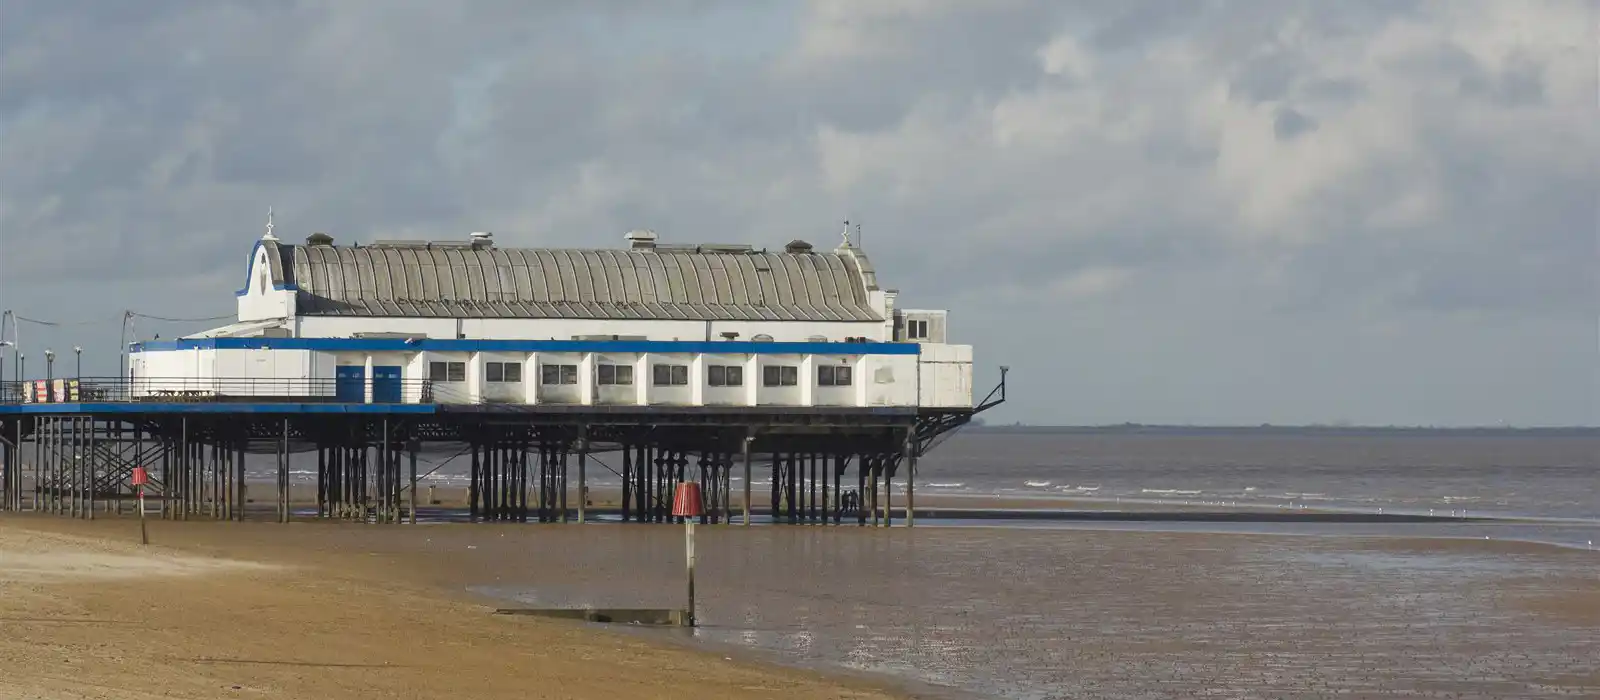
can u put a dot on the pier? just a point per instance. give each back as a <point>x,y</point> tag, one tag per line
<point>658,362</point>
<point>826,465</point>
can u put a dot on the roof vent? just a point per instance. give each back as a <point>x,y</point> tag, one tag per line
<point>482,239</point>
<point>641,238</point>
<point>319,238</point>
<point>761,338</point>
<point>797,247</point>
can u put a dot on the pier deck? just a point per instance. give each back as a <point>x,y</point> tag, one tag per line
<point>827,464</point>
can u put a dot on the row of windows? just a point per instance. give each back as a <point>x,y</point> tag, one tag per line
<point>622,375</point>
<point>496,372</point>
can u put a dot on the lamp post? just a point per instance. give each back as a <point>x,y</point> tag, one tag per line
<point>3,345</point>
<point>49,366</point>
<point>78,351</point>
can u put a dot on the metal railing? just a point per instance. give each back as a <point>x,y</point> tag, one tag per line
<point>232,389</point>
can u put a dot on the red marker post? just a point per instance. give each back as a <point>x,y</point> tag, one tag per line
<point>140,478</point>
<point>686,504</point>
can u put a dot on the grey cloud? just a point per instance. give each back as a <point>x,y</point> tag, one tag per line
<point>140,144</point>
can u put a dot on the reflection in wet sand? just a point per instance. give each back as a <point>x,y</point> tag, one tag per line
<point>1036,614</point>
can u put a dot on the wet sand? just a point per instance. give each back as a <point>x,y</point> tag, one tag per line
<point>218,610</point>
<point>997,612</point>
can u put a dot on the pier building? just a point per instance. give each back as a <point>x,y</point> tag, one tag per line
<point>658,361</point>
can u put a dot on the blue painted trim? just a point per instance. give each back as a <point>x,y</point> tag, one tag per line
<point>251,266</point>
<point>145,407</point>
<point>470,345</point>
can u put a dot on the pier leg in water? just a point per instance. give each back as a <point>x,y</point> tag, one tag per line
<point>746,456</point>
<point>583,474</point>
<point>911,477</point>
<point>413,446</point>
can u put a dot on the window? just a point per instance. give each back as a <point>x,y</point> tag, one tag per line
<point>917,330</point>
<point>507,372</point>
<point>670,375</point>
<point>833,375</point>
<point>615,375</point>
<point>558,374</point>
<point>447,371</point>
<point>780,375</point>
<point>724,375</point>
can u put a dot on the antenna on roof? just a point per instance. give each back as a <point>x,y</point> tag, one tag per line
<point>859,237</point>
<point>269,236</point>
<point>846,234</point>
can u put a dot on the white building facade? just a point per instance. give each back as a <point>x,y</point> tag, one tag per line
<point>465,322</point>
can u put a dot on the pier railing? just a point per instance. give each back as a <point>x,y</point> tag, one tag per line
<point>231,389</point>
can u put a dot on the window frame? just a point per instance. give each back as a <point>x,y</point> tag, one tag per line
<point>719,375</point>
<point>509,372</point>
<point>917,329</point>
<point>676,374</point>
<point>564,374</point>
<point>835,375</point>
<point>621,374</point>
<point>787,375</point>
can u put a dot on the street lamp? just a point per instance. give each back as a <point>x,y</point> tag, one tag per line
<point>49,365</point>
<point>79,352</point>
<point>3,345</point>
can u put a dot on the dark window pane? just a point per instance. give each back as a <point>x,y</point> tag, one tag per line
<point>791,375</point>
<point>608,374</point>
<point>514,372</point>
<point>680,375</point>
<point>661,375</point>
<point>770,376</point>
<point>841,375</point>
<point>458,372</point>
<point>735,375</point>
<point>569,374</point>
<point>494,372</point>
<point>825,375</point>
<point>436,371</point>
<point>625,374</point>
<point>717,375</point>
<point>549,374</point>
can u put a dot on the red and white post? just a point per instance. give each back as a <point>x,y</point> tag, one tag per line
<point>686,504</point>
<point>140,478</point>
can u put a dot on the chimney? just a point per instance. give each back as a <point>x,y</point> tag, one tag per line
<point>641,239</point>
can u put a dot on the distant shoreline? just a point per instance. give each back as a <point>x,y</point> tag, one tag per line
<point>1280,430</point>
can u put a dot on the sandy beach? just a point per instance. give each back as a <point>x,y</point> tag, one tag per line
<point>344,610</point>
<point>85,612</point>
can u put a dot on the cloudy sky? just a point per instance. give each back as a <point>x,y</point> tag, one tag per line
<point>1152,210</point>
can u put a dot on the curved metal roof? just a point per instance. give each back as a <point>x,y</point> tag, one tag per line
<point>464,282</point>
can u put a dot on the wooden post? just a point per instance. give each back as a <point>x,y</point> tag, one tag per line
<point>911,477</point>
<point>283,474</point>
<point>583,474</point>
<point>747,440</point>
<point>888,495</point>
<point>415,446</point>
<point>238,480</point>
<point>561,458</point>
